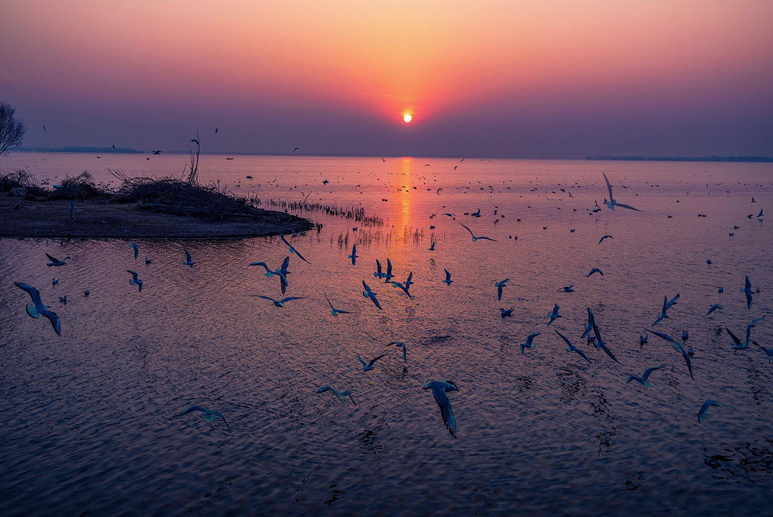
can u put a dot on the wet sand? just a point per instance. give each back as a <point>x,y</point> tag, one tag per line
<point>25,218</point>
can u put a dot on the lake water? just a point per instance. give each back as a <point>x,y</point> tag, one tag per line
<point>91,419</point>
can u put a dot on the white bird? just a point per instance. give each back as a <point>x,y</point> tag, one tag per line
<point>366,367</point>
<point>340,394</point>
<point>37,307</point>
<point>567,289</point>
<point>663,311</point>
<point>475,237</point>
<point>353,256</point>
<point>368,293</point>
<point>55,261</point>
<point>448,280</point>
<point>281,272</point>
<point>402,345</point>
<point>705,409</point>
<point>208,414</point>
<point>188,260</point>
<point>388,277</point>
<point>379,273</point>
<point>747,289</point>
<point>713,308</point>
<point>646,375</point>
<point>136,248</point>
<point>670,303</point>
<point>280,303</point>
<point>676,346</point>
<point>572,348</point>
<point>135,279</point>
<point>594,270</point>
<point>439,389</point>
<point>612,203</point>
<point>333,310</point>
<point>737,345</point>
<point>293,250</point>
<point>601,344</point>
<point>529,341</point>
<point>605,237</point>
<point>501,285</point>
<point>553,315</point>
<point>506,312</point>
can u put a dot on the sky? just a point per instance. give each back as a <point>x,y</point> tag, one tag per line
<point>489,78</point>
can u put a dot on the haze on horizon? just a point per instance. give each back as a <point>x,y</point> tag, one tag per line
<point>548,78</point>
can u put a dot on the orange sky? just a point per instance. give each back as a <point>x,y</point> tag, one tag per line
<point>363,63</point>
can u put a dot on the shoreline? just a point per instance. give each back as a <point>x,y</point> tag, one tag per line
<point>24,218</point>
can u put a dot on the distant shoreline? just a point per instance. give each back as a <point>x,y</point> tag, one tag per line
<point>736,159</point>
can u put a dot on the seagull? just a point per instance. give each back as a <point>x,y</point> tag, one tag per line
<point>643,339</point>
<point>643,379</point>
<point>404,286</point>
<point>208,414</point>
<point>147,261</point>
<point>553,315</point>
<point>293,250</point>
<point>612,203</point>
<point>506,312</point>
<point>401,345</point>
<point>676,346</point>
<point>448,280</point>
<point>572,348</point>
<point>475,238</point>
<point>136,248</point>
<point>529,341</point>
<point>353,256</point>
<point>280,303</point>
<point>409,280</point>
<point>685,335</point>
<point>333,310</point>
<point>662,314</point>
<point>747,288</point>
<point>737,345</point>
<point>135,279</point>
<point>750,326</point>
<point>389,274</point>
<point>188,261</point>
<point>567,289</point>
<point>670,303</point>
<point>439,389</point>
<point>594,270</point>
<point>63,299</point>
<point>366,367</point>
<point>54,281</point>
<point>432,246</point>
<point>705,409</point>
<point>56,262</point>
<point>605,237</point>
<point>379,272</point>
<point>340,394</point>
<point>599,343</point>
<point>714,308</point>
<point>281,272</point>
<point>500,285</point>
<point>368,293</point>
<point>37,307</point>
<point>589,324</point>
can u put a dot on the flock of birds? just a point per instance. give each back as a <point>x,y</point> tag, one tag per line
<point>440,388</point>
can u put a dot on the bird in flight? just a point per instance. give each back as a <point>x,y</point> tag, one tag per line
<point>353,256</point>
<point>368,293</point>
<point>136,249</point>
<point>501,285</point>
<point>333,310</point>
<point>676,346</point>
<point>280,303</point>
<point>612,203</point>
<point>713,308</point>
<point>402,345</point>
<point>553,315</point>
<point>605,237</point>
<point>439,390</point>
<point>529,341</point>
<point>208,414</point>
<point>646,375</point>
<point>747,289</point>
<point>188,260</point>
<point>705,409</point>
<point>37,307</point>
<point>55,261</point>
<point>293,250</point>
<point>594,270</point>
<point>477,237</point>
<point>135,279</point>
<point>366,367</point>
<point>340,394</point>
<point>572,348</point>
<point>448,280</point>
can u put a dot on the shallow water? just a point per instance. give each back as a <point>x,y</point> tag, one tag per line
<point>90,418</point>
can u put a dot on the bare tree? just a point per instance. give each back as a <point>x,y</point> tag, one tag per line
<point>193,176</point>
<point>11,130</point>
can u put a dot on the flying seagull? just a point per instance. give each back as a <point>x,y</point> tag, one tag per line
<point>594,270</point>
<point>400,344</point>
<point>501,285</point>
<point>333,310</point>
<point>353,256</point>
<point>747,288</point>
<point>572,348</point>
<point>188,260</point>
<point>368,293</point>
<point>55,261</point>
<point>646,375</point>
<point>529,341</point>
<point>476,238</point>
<point>136,249</point>
<point>340,394</point>
<point>676,346</point>
<point>553,315</point>
<point>135,279</point>
<point>208,414</point>
<point>612,203</point>
<point>705,409</point>
<point>37,307</point>
<point>366,367</point>
<point>439,390</point>
<point>605,237</point>
<point>280,303</point>
<point>448,280</point>
<point>293,250</point>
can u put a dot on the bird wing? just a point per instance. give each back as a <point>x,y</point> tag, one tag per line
<point>379,274</point>
<point>687,360</point>
<point>736,341</point>
<point>609,188</point>
<point>54,319</point>
<point>285,265</point>
<point>446,412</point>
<point>52,259</point>
<point>291,298</point>
<point>375,359</point>
<point>34,294</point>
<point>366,287</point>
<point>486,238</point>
<point>465,227</point>
<point>261,264</point>
<point>328,302</point>
<point>266,298</point>
<point>375,300</point>
<point>133,274</point>
<point>187,255</point>
<point>629,207</point>
<point>649,371</point>
<point>364,364</point>
<point>566,340</point>
<point>193,408</point>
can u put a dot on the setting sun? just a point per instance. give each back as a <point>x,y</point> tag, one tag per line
<point>407,117</point>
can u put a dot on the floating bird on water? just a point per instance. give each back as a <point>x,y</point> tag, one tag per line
<point>476,238</point>
<point>293,250</point>
<point>280,303</point>
<point>136,249</point>
<point>54,281</point>
<point>705,409</point>
<point>135,279</point>
<point>506,312</point>
<point>572,348</point>
<point>553,315</point>
<point>448,280</point>
<point>209,415</point>
<point>605,237</point>
<point>646,375</point>
<point>676,346</point>
<point>366,367</point>
<point>147,261</point>
<point>612,203</point>
<point>747,289</point>
<point>55,261</point>
<point>713,308</point>
<point>439,390</point>
<point>685,335</point>
<point>333,310</point>
<point>432,246</point>
<point>37,307</point>
<point>643,339</point>
<point>340,394</point>
<point>353,256</point>
<point>529,341</point>
<point>368,293</point>
<point>63,299</point>
<point>402,345</point>
<point>501,285</point>
<point>567,289</point>
<point>188,260</point>
<point>594,270</point>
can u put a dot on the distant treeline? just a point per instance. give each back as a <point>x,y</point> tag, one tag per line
<point>686,158</point>
<point>103,150</point>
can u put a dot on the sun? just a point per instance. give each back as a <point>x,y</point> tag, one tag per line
<point>407,117</point>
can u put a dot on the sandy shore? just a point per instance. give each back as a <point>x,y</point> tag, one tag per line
<point>25,218</point>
